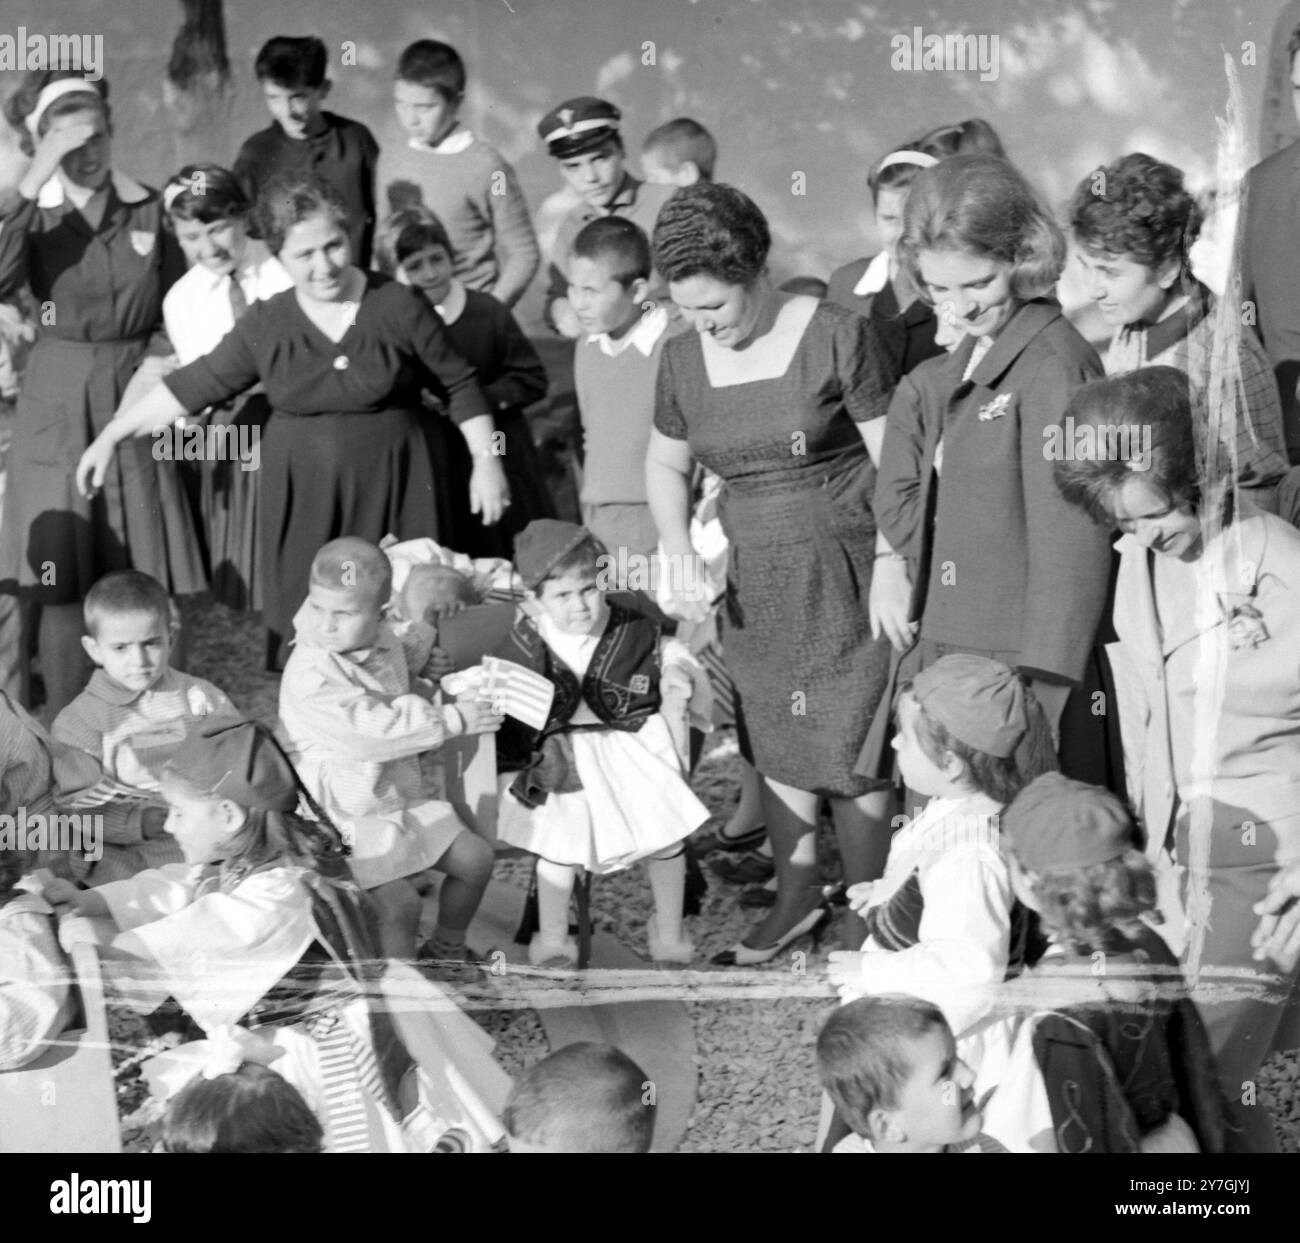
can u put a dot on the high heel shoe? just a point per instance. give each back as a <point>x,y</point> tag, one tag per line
<point>813,924</point>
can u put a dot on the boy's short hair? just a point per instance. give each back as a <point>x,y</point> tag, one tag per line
<point>438,66</point>
<point>252,1109</point>
<point>292,62</point>
<point>352,564</point>
<point>620,240</point>
<point>125,591</point>
<point>863,1053</point>
<point>407,232</point>
<point>683,139</point>
<point>584,1097</point>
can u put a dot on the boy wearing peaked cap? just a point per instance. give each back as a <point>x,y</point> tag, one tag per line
<point>584,135</point>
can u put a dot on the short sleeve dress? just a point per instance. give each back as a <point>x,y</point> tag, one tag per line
<point>344,451</point>
<point>796,509</point>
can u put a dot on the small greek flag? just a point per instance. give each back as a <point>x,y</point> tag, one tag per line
<point>519,692</point>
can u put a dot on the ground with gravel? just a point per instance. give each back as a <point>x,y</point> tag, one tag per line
<point>757,1081</point>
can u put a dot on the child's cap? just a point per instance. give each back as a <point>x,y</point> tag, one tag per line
<point>542,545</point>
<point>1058,825</point>
<point>578,125</point>
<point>238,760</point>
<point>978,701</point>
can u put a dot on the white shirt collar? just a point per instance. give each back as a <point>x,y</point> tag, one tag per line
<point>453,306</point>
<point>875,278</point>
<point>460,139</point>
<point>649,328</point>
<point>54,192</point>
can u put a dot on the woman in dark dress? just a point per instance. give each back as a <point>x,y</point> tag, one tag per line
<point>774,394</point>
<point>90,242</point>
<point>343,357</point>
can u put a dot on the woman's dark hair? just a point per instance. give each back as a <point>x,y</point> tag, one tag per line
<point>18,107</point>
<point>975,136</point>
<point>982,205</point>
<point>998,777</point>
<point>711,229</point>
<point>206,193</point>
<point>253,1109</point>
<point>405,233</point>
<point>1137,207</point>
<point>1086,909</point>
<point>1140,424</point>
<point>291,198</point>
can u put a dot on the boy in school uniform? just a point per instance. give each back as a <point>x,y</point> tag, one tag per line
<point>583,134</point>
<point>464,181</point>
<point>677,153</point>
<point>303,138</point>
<point>614,369</point>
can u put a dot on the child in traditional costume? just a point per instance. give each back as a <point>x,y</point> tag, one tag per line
<point>262,927</point>
<point>600,785</point>
<point>1127,1068</point>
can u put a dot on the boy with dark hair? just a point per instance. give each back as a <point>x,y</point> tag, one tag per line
<point>583,134</point>
<point>303,138</point>
<point>679,152</point>
<point>464,181</point>
<point>614,369</point>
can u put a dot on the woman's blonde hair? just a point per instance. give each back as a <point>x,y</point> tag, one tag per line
<point>981,204</point>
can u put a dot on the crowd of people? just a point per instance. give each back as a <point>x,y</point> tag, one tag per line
<point>1016,616</point>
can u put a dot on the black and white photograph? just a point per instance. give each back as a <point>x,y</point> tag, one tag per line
<point>609,576</point>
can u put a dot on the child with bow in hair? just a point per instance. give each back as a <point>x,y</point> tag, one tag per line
<point>262,927</point>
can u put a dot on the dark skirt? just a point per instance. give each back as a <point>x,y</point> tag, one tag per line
<point>54,544</point>
<point>796,635</point>
<point>229,495</point>
<point>328,476</point>
<point>464,531</point>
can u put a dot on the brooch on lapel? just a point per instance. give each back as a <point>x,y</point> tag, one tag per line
<point>1245,625</point>
<point>639,683</point>
<point>996,408</point>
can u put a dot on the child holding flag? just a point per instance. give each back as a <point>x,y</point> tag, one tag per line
<point>599,785</point>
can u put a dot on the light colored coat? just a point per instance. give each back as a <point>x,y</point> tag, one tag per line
<point>1254,753</point>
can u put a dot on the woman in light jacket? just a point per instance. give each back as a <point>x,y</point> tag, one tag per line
<point>1207,611</point>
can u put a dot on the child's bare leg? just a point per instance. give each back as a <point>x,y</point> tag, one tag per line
<point>398,907</point>
<point>467,863</point>
<point>667,873</point>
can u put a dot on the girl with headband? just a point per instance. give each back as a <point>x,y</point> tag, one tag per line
<point>90,241</point>
<point>209,216</point>
<point>263,928</point>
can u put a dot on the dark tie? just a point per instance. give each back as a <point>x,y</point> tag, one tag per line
<point>238,301</point>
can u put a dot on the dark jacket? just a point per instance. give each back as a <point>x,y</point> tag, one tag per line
<point>1005,564</point>
<point>907,333</point>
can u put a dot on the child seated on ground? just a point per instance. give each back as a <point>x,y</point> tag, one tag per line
<point>890,1066</point>
<point>135,711</point>
<point>235,1104</point>
<point>939,921</point>
<point>261,926</point>
<point>679,152</point>
<point>414,246</point>
<point>1075,860</point>
<point>584,1097</point>
<point>357,732</point>
<point>600,786</point>
<point>35,982</point>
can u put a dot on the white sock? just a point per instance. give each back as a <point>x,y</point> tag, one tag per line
<point>668,884</point>
<point>554,886</point>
